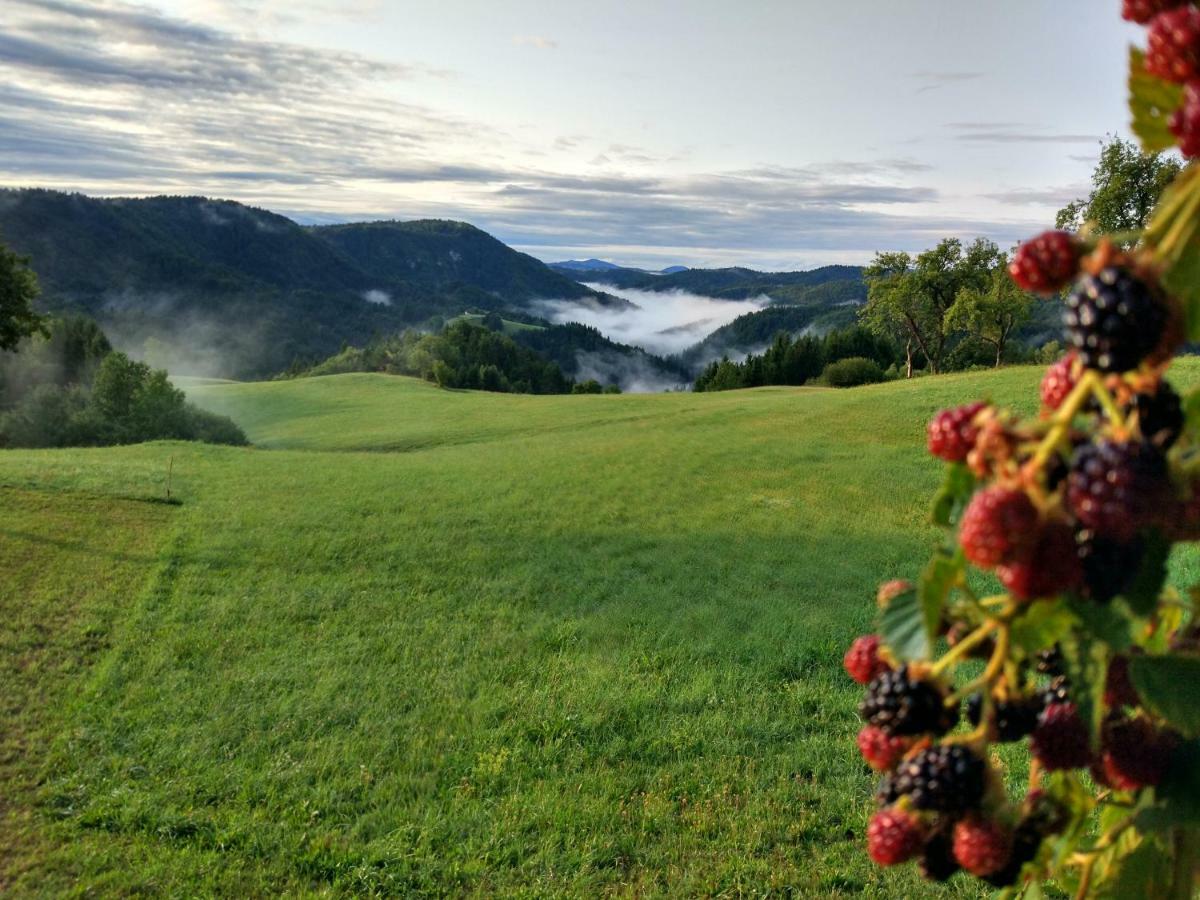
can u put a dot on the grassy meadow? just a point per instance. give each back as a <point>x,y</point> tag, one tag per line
<point>419,642</point>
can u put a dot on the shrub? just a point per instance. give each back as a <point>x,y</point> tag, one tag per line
<point>853,371</point>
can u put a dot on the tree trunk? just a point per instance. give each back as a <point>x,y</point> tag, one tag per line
<point>908,362</point>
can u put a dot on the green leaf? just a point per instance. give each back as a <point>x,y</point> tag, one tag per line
<point>1144,872</point>
<point>1151,103</point>
<point>902,627</point>
<point>1191,412</point>
<point>1174,237</point>
<point>1042,626</point>
<point>1170,686</point>
<point>1142,595</point>
<point>1103,621</point>
<point>1086,666</point>
<point>933,587</point>
<point>953,495</point>
<point>1178,794</point>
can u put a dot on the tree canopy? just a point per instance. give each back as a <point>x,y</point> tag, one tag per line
<point>1125,186</point>
<point>18,290</point>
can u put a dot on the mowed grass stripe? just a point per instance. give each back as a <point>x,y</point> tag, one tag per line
<point>561,646</point>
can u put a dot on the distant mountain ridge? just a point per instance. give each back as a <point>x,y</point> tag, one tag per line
<point>572,266</point>
<point>242,292</point>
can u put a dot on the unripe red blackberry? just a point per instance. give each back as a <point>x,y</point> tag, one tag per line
<point>1116,488</point>
<point>893,837</point>
<point>981,846</point>
<point>1060,740</point>
<point>1159,415</point>
<point>1109,566</point>
<point>1049,566</point>
<point>1013,719</point>
<point>948,778</point>
<point>1040,820</point>
<point>1173,45</point>
<point>1059,381</point>
<point>937,862</point>
<point>1142,11</point>
<point>881,750</point>
<point>952,433</point>
<point>862,662</point>
<point>902,704</point>
<point>890,590</point>
<point>997,524</point>
<point>1185,121</point>
<point>1047,263</point>
<point>1118,686</point>
<point>1134,754</point>
<point>1114,319</point>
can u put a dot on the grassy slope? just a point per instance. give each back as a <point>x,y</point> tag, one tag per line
<point>566,645</point>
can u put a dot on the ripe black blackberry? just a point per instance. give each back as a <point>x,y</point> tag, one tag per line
<point>1109,566</point>
<point>1160,416</point>
<point>902,704</point>
<point>937,862</point>
<point>1050,662</point>
<point>1014,719</point>
<point>1114,319</point>
<point>1116,488</point>
<point>948,778</point>
<point>886,792</point>
<point>1058,691</point>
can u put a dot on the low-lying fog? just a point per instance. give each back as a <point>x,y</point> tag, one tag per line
<point>666,322</point>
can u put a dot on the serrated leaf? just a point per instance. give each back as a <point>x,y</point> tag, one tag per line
<point>1174,237</point>
<point>1170,686</point>
<point>1151,103</point>
<point>902,627</point>
<point>1178,795</point>
<point>1142,594</point>
<point>1042,626</point>
<point>952,497</point>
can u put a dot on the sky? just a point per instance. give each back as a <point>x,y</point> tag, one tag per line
<point>777,135</point>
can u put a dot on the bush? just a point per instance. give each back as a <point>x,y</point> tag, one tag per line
<point>853,371</point>
<point>128,403</point>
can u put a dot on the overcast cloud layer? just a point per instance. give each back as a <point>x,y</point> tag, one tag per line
<point>324,112</point>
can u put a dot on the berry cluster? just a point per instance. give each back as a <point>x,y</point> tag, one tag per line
<point>1063,509</point>
<point>1173,55</point>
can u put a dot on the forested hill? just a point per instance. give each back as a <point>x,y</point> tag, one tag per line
<point>736,283</point>
<point>226,289</point>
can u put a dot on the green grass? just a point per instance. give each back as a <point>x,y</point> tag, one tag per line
<point>429,642</point>
<point>510,327</point>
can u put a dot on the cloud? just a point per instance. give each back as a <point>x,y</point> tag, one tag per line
<point>665,322</point>
<point>933,81</point>
<point>534,40</point>
<point>1016,133</point>
<point>112,98</point>
<point>1055,196</point>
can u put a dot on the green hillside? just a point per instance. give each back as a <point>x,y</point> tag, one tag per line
<point>420,642</point>
<point>178,272</point>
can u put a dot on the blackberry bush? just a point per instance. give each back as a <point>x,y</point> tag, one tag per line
<point>1085,651</point>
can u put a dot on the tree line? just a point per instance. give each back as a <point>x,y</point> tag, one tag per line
<point>952,295</point>
<point>62,384</point>
<point>854,355</point>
